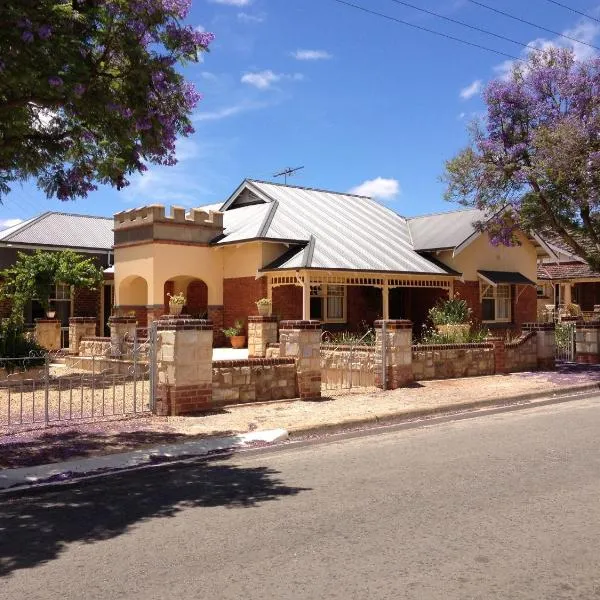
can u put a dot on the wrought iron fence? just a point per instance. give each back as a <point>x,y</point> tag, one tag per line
<point>565,333</point>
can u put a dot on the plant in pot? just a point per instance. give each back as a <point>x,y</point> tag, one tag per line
<point>234,334</point>
<point>176,303</point>
<point>451,318</point>
<point>264,307</point>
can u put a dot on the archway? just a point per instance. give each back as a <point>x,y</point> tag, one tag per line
<point>133,291</point>
<point>195,292</point>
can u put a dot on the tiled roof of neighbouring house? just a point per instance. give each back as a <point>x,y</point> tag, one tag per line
<point>567,270</point>
<point>62,230</point>
<point>331,230</point>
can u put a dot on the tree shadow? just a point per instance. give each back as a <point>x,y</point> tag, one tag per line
<point>38,528</point>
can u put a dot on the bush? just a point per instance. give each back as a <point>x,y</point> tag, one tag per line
<point>431,335</point>
<point>15,344</point>
<point>450,312</point>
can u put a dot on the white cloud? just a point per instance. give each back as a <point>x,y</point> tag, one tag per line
<point>264,79</point>
<point>229,111</point>
<point>233,2</point>
<point>4,223</point>
<point>200,28</point>
<point>471,90</point>
<point>381,188</point>
<point>311,55</point>
<point>461,116</point>
<point>247,18</point>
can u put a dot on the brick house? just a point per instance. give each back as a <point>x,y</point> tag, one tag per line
<point>55,231</point>
<point>340,258</point>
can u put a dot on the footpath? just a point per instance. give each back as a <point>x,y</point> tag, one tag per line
<point>74,450</point>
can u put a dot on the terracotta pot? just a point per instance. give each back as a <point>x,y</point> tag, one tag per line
<point>238,341</point>
<point>175,309</point>
<point>264,310</point>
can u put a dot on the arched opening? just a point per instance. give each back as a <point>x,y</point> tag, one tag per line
<point>133,291</point>
<point>195,292</point>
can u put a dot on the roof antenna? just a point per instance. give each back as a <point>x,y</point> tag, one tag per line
<point>287,173</point>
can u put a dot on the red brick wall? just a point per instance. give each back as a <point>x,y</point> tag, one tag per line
<point>525,309</point>
<point>215,314</point>
<point>197,298</point>
<point>140,312</point>
<point>588,294</point>
<point>86,303</point>
<point>469,291</point>
<point>287,302</point>
<point>239,297</point>
<point>363,304</point>
<point>418,303</point>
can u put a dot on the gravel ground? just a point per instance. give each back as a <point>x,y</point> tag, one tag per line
<point>77,439</point>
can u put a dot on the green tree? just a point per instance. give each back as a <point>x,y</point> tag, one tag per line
<point>89,92</point>
<point>534,162</point>
<point>34,276</point>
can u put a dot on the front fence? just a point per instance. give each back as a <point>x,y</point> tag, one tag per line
<point>565,341</point>
<point>41,390</point>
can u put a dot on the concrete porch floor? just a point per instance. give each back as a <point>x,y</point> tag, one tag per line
<point>230,354</point>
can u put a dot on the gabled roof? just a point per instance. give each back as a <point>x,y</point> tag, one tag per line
<point>444,231</point>
<point>567,270</point>
<point>62,230</point>
<point>330,230</point>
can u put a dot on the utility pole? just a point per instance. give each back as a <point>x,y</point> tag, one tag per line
<point>287,173</point>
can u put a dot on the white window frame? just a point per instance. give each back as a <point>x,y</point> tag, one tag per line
<point>323,291</point>
<point>60,291</point>
<point>491,292</point>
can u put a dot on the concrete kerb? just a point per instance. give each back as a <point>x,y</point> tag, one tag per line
<point>162,456</point>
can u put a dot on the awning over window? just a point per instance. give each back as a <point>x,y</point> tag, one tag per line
<point>499,277</point>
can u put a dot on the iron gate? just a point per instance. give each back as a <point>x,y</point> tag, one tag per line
<point>42,389</point>
<point>565,333</point>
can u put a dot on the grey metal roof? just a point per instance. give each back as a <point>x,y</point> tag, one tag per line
<point>63,230</point>
<point>339,231</point>
<point>443,230</point>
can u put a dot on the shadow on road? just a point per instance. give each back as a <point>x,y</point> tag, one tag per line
<point>37,529</point>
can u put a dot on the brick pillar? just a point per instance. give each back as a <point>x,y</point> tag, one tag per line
<point>499,345</point>
<point>397,356</point>
<point>183,365</point>
<point>302,340</point>
<point>155,311</point>
<point>546,344</point>
<point>47,333</point>
<point>121,330</point>
<point>80,327</point>
<point>216,315</point>
<point>262,331</point>
<point>587,343</point>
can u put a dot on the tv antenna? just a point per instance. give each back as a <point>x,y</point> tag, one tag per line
<point>287,173</point>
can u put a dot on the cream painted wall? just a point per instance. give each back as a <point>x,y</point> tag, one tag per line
<point>480,255</point>
<point>241,261</point>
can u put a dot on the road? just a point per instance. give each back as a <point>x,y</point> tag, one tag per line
<point>503,506</point>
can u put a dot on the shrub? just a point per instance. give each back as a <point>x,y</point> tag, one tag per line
<point>17,349</point>
<point>450,312</point>
<point>431,335</point>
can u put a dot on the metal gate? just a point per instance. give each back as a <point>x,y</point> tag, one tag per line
<point>347,363</point>
<point>565,333</point>
<point>38,390</point>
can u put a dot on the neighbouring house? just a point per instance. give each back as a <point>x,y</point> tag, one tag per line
<point>343,259</point>
<point>55,231</point>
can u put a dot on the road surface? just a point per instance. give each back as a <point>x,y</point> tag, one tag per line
<point>504,506</point>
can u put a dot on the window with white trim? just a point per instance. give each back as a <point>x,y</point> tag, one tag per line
<point>328,303</point>
<point>62,302</point>
<point>496,303</point>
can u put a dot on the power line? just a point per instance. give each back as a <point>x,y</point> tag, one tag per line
<point>463,24</point>
<point>433,31</point>
<point>574,10</point>
<point>505,14</point>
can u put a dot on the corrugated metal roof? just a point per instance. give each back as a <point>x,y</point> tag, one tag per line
<point>63,230</point>
<point>350,232</point>
<point>443,230</point>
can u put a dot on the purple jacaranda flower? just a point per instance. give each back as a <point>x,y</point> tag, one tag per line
<point>45,31</point>
<point>79,89</point>
<point>27,36</point>
<point>55,81</point>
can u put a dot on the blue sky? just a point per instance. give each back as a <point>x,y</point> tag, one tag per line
<point>363,103</point>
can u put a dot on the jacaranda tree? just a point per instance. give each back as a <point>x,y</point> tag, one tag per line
<point>89,90</point>
<point>533,161</point>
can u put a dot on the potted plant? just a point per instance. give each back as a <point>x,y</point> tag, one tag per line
<point>264,307</point>
<point>176,303</point>
<point>233,333</point>
<point>451,318</point>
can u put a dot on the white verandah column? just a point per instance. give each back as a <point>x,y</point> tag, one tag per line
<point>306,298</point>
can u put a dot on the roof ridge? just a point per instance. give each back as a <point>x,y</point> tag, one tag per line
<point>68,214</point>
<point>26,225</point>
<point>311,189</point>
<point>443,212</point>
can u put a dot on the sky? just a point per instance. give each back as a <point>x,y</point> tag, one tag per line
<point>363,103</point>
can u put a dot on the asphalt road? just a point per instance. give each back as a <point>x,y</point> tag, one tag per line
<point>504,506</point>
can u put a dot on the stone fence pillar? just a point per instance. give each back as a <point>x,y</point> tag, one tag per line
<point>80,327</point>
<point>121,330</point>
<point>47,333</point>
<point>393,354</point>
<point>546,344</point>
<point>587,343</point>
<point>302,340</point>
<point>262,331</point>
<point>499,345</point>
<point>183,365</point>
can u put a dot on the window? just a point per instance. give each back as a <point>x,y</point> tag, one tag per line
<point>496,303</point>
<point>61,303</point>
<point>62,291</point>
<point>328,303</point>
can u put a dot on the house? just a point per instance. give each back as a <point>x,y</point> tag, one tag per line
<point>340,258</point>
<point>54,231</point>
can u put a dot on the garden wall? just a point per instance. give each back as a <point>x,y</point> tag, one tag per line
<point>346,366</point>
<point>448,361</point>
<point>253,380</point>
<point>521,355</point>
